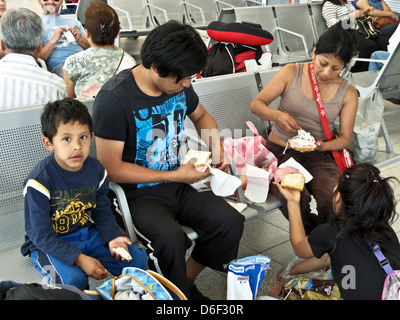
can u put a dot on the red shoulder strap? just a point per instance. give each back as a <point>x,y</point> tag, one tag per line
<point>318,100</point>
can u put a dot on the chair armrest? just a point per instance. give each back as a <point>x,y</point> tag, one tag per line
<point>297,35</point>
<point>184,3</point>
<point>128,18</point>
<point>158,8</point>
<point>124,210</point>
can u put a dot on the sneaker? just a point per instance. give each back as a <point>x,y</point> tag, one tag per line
<point>195,294</point>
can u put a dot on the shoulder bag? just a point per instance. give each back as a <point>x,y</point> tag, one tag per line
<point>366,27</point>
<point>342,157</point>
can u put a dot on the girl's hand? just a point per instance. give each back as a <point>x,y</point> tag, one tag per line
<point>289,195</point>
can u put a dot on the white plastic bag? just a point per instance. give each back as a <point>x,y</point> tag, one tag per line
<point>245,277</point>
<point>265,63</point>
<point>367,127</point>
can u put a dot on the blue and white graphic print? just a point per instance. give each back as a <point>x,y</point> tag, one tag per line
<point>158,133</point>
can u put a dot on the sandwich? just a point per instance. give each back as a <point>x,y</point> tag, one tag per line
<point>203,159</point>
<point>304,141</point>
<point>293,181</point>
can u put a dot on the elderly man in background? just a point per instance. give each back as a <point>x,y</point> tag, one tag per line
<point>64,36</point>
<point>22,81</point>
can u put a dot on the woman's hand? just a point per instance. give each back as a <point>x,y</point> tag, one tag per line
<point>287,123</point>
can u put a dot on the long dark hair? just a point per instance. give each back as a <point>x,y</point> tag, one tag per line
<point>339,41</point>
<point>368,204</point>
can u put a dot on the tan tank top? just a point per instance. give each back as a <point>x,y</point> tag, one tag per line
<point>305,110</point>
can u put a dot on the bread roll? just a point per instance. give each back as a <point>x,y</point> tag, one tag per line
<point>293,181</point>
<point>202,157</point>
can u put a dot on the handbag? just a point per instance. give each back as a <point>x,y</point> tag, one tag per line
<point>255,164</point>
<point>342,157</point>
<point>381,22</point>
<point>366,27</point>
<point>91,90</point>
<point>138,284</point>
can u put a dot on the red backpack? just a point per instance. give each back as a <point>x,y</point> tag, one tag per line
<point>237,42</point>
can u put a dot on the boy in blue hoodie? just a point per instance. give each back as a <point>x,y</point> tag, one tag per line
<point>71,232</point>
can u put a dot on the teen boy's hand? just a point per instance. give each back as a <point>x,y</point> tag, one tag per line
<point>91,266</point>
<point>119,242</point>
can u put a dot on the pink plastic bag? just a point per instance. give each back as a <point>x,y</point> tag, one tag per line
<point>250,151</point>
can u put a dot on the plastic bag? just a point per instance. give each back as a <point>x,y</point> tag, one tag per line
<point>391,287</point>
<point>245,277</point>
<point>302,288</point>
<point>313,285</point>
<point>367,126</point>
<point>263,64</point>
<point>256,165</point>
<point>138,284</point>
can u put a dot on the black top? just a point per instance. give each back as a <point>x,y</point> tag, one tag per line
<point>355,268</point>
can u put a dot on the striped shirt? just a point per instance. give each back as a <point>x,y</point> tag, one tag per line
<point>333,13</point>
<point>24,83</point>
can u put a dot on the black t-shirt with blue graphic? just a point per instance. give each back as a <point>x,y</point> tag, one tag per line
<point>151,127</point>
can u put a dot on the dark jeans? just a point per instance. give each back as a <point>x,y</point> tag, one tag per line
<point>388,30</point>
<point>366,47</point>
<point>156,212</point>
<point>325,172</point>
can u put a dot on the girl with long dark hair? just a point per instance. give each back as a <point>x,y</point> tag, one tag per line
<point>364,205</point>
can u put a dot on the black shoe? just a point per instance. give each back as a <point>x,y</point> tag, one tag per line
<point>393,100</point>
<point>195,294</point>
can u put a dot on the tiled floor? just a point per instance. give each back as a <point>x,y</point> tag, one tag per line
<point>268,233</point>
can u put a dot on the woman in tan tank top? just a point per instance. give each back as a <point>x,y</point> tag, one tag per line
<point>298,110</point>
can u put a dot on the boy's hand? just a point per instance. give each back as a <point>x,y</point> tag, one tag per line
<point>91,266</point>
<point>122,242</point>
<point>187,173</point>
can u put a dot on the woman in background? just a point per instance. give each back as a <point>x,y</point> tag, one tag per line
<point>335,11</point>
<point>381,10</point>
<point>87,71</point>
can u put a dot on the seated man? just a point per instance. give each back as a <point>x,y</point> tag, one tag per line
<point>63,37</point>
<point>138,121</point>
<point>22,81</point>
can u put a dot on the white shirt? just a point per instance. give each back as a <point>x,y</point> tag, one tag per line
<point>24,83</point>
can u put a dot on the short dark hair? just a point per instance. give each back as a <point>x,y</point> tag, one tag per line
<point>102,23</point>
<point>64,111</point>
<point>339,41</point>
<point>175,49</point>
